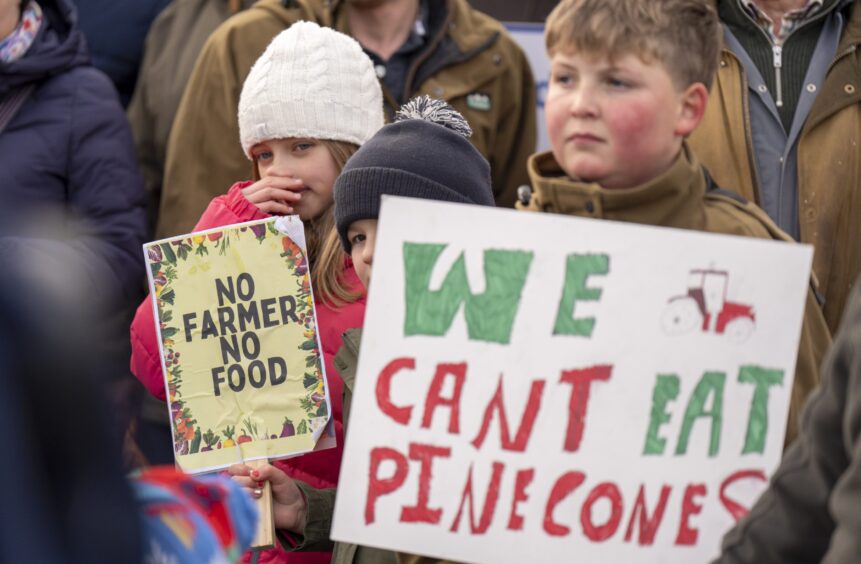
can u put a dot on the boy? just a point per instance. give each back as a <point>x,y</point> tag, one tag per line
<point>629,82</point>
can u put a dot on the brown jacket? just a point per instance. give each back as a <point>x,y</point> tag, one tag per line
<point>472,54</point>
<point>810,511</point>
<point>172,45</point>
<point>829,161</point>
<point>679,198</point>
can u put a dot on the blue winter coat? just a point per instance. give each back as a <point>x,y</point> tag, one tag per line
<point>115,31</point>
<point>69,179</point>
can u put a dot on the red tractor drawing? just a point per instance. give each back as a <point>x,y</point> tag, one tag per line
<point>705,307</point>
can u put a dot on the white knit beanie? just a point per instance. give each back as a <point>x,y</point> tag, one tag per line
<point>310,82</point>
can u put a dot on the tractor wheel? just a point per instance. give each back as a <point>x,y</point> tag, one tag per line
<point>681,317</point>
<point>739,329</point>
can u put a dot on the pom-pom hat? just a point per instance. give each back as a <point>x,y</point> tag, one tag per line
<point>425,153</point>
<point>312,82</point>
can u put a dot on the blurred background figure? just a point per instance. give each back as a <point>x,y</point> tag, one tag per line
<point>172,45</point>
<point>115,32</point>
<point>64,496</point>
<point>73,201</point>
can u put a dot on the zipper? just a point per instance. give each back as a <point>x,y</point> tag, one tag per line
<point>777,60</point>
<point>777,50</point>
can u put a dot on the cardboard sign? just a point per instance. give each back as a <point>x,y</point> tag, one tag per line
<point>534,384</point>
<point>239,344</point>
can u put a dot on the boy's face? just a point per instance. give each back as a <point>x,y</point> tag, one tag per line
<point>619,124</point>
<point>362,235</point>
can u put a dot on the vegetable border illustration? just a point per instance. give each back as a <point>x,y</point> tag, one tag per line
<point>163,259</point>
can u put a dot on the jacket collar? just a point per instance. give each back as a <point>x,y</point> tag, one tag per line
<point>674,199</point>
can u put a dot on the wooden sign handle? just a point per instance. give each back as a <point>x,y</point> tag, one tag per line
<point>265,535</point>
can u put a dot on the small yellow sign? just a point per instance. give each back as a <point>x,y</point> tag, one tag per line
<point>239,344</point>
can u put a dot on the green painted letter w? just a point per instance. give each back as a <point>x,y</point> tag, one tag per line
<point>489,315</point>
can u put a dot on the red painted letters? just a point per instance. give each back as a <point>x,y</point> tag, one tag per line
<point>434,399</point>
<point>581,385</point>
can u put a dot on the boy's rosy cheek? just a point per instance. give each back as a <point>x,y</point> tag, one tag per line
<point>634,119</point>
<point>635,126</point>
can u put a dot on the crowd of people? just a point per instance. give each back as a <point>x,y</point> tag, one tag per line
<point>736,117</point>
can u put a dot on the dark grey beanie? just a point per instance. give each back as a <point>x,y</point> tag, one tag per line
<point>425,153</point>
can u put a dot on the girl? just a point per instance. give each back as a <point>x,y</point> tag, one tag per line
<point>451,170</point>
<point>309,101</point>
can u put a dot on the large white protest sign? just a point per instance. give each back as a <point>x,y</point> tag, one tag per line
<point>535,387</point>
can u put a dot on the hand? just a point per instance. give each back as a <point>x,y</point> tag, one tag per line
<point>275,195</point>
<point>288,503</point>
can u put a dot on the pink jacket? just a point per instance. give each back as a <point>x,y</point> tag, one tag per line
<point>319,469</point>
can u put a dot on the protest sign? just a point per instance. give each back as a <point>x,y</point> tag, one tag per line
<point>535,384</point>
<point>239,344</point>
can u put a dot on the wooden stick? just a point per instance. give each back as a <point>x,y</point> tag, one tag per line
<point>265,535</point>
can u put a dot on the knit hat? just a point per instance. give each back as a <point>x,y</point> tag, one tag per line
<point>425,153</point>
<point>310,82</point>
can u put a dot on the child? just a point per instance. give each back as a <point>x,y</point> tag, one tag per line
<point>629,82</point>
<point>451,170</point>
<point>310,100</point>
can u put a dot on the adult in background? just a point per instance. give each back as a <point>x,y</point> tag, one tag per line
<point>72,194</point>
<point>783,126</point>
<point>440,47</point>
<point>172,46</point>
<point>115,32</point>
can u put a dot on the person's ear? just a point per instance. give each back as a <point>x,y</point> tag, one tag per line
<point>692,109</point>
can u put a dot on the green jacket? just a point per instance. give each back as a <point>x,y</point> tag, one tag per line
<point>829,160</point>
<point>680,198</point>
<point>471,62</point>
<point>810,511</point>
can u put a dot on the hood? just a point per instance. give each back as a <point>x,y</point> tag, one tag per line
<point>59,46</point>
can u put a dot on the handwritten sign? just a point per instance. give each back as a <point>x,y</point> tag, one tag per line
<point>534,384</point>
<point>239,344</point>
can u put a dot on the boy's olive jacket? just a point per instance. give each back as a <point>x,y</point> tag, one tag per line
<point>682,198</point>
<point>469,60</point>
<point>829,160</point>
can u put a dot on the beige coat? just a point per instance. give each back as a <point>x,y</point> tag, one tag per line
<point>829,161</point>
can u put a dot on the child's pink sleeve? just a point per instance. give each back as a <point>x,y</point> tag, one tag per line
<point>145,363</point>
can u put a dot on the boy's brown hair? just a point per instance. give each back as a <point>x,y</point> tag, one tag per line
<point>683,35</point>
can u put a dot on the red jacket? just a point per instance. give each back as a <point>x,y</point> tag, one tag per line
<point>319,469</point>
